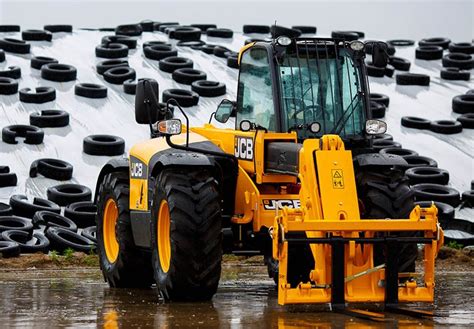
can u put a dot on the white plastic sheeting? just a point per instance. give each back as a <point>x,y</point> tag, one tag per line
<point>115,114</point>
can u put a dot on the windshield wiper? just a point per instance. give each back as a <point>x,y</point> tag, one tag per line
<point>342,121</point>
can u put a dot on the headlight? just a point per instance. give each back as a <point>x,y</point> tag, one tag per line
<point>169,127</point>
<point>357,45</point>
<point>375,127</point>
<point>283,41</point>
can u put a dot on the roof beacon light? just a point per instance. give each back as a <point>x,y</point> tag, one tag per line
<point>357,45</point>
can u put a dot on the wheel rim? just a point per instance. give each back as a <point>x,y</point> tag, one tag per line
<point>111,245</point>
<point>163,234</point>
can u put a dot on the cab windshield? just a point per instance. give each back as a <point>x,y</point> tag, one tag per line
<point>320,83</point>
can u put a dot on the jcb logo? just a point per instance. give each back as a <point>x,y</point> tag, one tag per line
<point>137,168</point>
<point>243,148</point>
<point>273,204</point>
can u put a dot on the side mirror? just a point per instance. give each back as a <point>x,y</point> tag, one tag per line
<point>379,54</point>
<point>224,111</point>
<point>147,107</point>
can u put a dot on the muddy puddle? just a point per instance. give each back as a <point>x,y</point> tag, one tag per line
<point>246,299</point>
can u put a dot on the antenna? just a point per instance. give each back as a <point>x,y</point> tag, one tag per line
<point>274,29</point>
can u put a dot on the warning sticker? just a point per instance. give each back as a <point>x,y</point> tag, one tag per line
<point>337,179</point>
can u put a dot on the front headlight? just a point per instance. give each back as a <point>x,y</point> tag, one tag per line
<point>375,127</point>
<point>357,45</point>
<point>283,41</point>
<point>169,127</point>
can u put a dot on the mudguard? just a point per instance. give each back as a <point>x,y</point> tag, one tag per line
<point>119,164</point>
<point>377,159</point>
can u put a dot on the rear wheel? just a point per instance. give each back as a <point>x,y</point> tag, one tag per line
<point>122,263</point>
<point>187,234</point>
<point>385,193</point>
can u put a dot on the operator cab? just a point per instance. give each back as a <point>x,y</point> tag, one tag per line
<point>299,84</point>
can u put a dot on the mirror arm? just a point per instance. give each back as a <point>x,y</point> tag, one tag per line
<point>213,115</point>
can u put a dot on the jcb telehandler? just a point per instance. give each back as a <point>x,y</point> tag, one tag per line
<point>296,180</point>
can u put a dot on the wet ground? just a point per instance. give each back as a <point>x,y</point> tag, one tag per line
<point>246,299</point>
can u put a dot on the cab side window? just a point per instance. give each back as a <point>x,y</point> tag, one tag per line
<point>255,90</point>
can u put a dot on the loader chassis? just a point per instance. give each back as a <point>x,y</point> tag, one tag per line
<point>277,189</point>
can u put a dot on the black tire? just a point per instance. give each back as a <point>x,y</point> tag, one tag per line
<point>463,104</point>
<point>467,198</point>
<point>445,211</point>
<point>260,29</point>
<point>467,120</point>
<point>208,49</point>
<point>415,122</point>
<point>374,71</point>
<point>13,72</point>
<point>220,51</point>
<point>432,175</point>
<point>2,56</point>
<point>440,42</point>
<point>9,249</point>
<point>305,29</point>
<point>15,46</point>
<point>22,207</point>
<point>65,194</point>
<point>196,44</point>
<point>186,33</point>
<point>130,86</point>
<point>398,151</point>
<point>83,214</point>
<point>111,50</point>
<point>377,110</point>
<point>220,33</point>
<point>379,144</point>
<point>454,73</point>
<point>5,209</point>
<point>36,35</point>
<point>129,42</point>
<point>459,60</point>
<point>117,75</point>
<point>161,26</point>
<point>446,127</point>
<point>147,25</point>
<point>29,243</point>
<point>185,98</point>
<point>58,72</point>
<point>58,28</point>
<point>132,268</point>
<point>155,43</point>
<point>401,42</point>
<point>233,62</point>
<point>159,52</point>
<point>7,178</point>
<point>429,53</point>
<point>51,219</point>
<point>400,64</point>
<point>9,28</point>
<point>345,35</point>
<point>207,88</point>
<point>462,47</point>
<point>38,61</point>
<point>385,193</point>
<point>106,65</point>
<point>8,86</point>
<point>61,239</point>
<point>90,90</point>
<point>40,95</point>
<point>51,168</point>
<point>412,79</point>
<point>49,119</point>
<point>195,234</point>
<point>277,31</point>
<point>389,71</point>
<point>103,145</point>
<point>419,161</point>
<point>31,134</point>
<point>204,27</point>
<point>131,30</point>
<point>435,192</point>
<point>90,233</point>
<point>188,76</point>
<point>170,64</point>
<point>8,222</point>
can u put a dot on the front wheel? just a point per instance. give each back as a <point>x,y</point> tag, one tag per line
<point>187,234</point>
